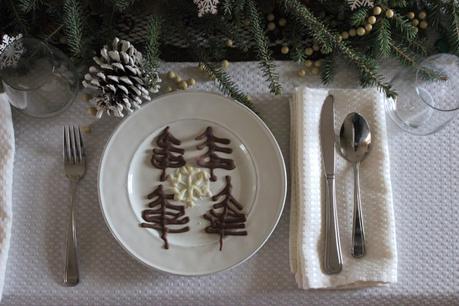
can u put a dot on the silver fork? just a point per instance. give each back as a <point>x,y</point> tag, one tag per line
<point>74,168</point>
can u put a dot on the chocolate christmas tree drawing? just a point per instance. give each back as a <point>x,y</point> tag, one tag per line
<point>167,154</point>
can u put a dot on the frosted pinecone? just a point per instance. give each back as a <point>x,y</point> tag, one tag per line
<point>120,79</point>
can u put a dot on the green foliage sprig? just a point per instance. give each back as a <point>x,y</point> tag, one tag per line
<point>152,44</point>
<point>73,21</point>
<point>329,42</point>
<point>263,51</point>
<point>225,84</point>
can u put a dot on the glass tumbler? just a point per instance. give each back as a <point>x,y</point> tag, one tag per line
<point>428,97</point>
<point>38,79</point>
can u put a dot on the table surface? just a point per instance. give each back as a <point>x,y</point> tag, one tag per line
<point>425,181</point>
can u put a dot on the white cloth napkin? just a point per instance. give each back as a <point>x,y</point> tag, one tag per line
<point>6,182</point>
<point>379,265</point>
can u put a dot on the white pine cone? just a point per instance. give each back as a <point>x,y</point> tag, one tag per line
<point>119,78</point>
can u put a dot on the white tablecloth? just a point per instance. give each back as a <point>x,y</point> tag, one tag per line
<point>425,181</point>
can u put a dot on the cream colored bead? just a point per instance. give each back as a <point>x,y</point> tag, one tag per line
<point>270,17</point>
<point>339,38</point>
<point>169,89</point>
<point>352,32</point>
<point>301,73</point>
<point>183,85</point>
<point>191,82</point>
<point>389,13</point>
<point>423,24</point>
<point>345,35</point>
<point>225,64</point>
<point>229,43</point>
<point>360,31</point>
<point>377,10</point>
<point>178,79</point>
<point>271,26</point>
<point>422,15</point>
<point>92,111</point>
<point>315,47</point>
<point>368,27</point>
<point>308,51</point>
<point>371,19</point>
<point>318,63</point>
<point>171,75</point>
<point>249,98</point>
<point>410,15</point>
<point>201,67</point>
<point>315,70</point>
<point>415,22</point>
<point>285,50</point>
<point>308,63</point>
<point>282,22</point>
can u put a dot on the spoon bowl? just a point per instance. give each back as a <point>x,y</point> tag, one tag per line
<point>355,141</point>
<point>355,138</point>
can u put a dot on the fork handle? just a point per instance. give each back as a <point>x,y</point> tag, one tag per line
<point>71,271</point>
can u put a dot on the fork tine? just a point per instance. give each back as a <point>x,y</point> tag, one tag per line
<point>81,143</point>
<point>66,148</point>
<point>76,131</point>
<point>72,145</point>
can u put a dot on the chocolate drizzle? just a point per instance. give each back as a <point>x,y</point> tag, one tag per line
<point>168,154</point>
<point>210,159</point>
<point>163,214</point>
<point>229,221</point>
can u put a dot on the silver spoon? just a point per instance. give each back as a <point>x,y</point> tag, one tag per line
<point>355,140</point>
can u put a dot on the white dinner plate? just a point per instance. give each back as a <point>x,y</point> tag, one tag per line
<point>126,177</point>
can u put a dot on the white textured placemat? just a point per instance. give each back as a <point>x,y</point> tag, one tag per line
<point>425,183</point>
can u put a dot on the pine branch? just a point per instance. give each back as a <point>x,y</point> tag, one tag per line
<point>152,44</point>
<point>418,46</point>
<point>315,27</point>
<point>404,26</point>
<point>403,54</point>
<point>327,72</point>
<point>225,84</point>
<point>453,29</point>
<point>28,5</point>
<point>121,5</point>
<point>297,54</point>
<point>359,16</point>
<point>263,52</point>
<point>73,22</point>
<point>383,38</point>
<point>330,41</point>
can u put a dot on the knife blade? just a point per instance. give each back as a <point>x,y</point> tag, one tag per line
<point>333,261</point>
<point>327,135</point>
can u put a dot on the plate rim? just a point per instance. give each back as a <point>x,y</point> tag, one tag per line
<point>273,140</point>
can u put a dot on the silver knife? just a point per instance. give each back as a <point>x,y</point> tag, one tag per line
<point>333,261</point>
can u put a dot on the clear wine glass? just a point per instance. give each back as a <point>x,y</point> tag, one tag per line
<point>428,97</point>
<point>39,79</point>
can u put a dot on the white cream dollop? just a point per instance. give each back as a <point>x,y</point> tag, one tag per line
<point>190,184</point>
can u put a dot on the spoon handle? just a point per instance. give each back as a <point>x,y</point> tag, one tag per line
<point>333,261</point>
<point>358,232</point>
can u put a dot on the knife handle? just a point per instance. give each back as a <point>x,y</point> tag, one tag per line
<point>333,261</point>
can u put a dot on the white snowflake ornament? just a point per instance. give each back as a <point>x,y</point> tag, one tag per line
<point>355,4</point>
<point>190,184</point>
<point>9,57</point>
<point>206,7</point>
